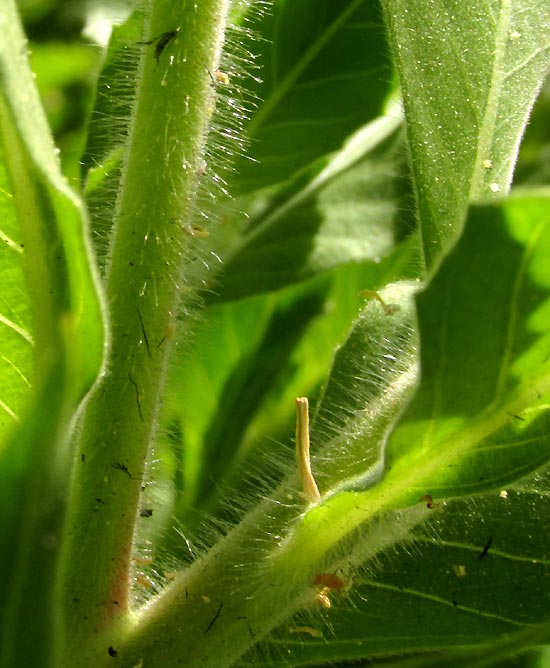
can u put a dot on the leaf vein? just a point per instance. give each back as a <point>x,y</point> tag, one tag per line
<point>448,603</point>
<point>17,329</point>
<point>300,67</point>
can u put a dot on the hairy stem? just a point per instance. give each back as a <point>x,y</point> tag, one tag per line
<point>166,142</point>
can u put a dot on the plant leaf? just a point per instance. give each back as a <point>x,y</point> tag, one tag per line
<point>310,226</point>
<point>440,594</point>
<point>471,449</point>
<point>16,342</point>
<point>324,70</point>
<point>469,74</point>
<point>61,294</point>
<point>485,365</point>
<point>373,376</point>
<point>278,344</point>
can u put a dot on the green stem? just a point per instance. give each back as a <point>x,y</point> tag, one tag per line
<point>162,167</point>
<point>253,581</point>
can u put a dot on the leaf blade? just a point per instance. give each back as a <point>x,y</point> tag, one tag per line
<point>484,385</point>
<point>62,295</point>
<point>324,67</point>
<point>469,77</point>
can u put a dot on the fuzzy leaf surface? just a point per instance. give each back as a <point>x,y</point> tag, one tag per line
<point>438,593</point>
<point>470,73</point>
<point>247,355</point>
<point>471,449</point>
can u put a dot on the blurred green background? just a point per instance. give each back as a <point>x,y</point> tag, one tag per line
<point>66,41</point>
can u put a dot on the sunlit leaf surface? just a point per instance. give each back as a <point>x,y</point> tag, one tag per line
<point>470,73</point>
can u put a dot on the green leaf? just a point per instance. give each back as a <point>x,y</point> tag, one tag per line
<point>16,341</point>
<point>471,450</point>
<point>325,73</point>
<point>45,219</point>
<point>372,378</point>
<point>250,359</point>
<point>470,73</point>
<point>485,367</point>
<point>474,573</point>
<point>66,310</point>
<point>309,227</point>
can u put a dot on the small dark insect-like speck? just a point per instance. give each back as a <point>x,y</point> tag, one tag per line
<point>161,41</point>
<point>486,547</point>
<point>214,619</point>
<point>122,467</point>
